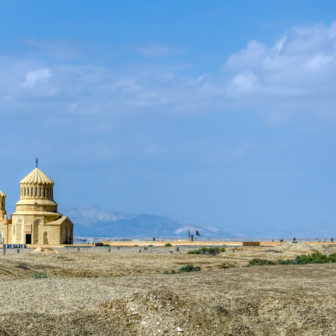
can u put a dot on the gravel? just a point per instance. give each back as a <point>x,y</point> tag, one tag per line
<point>281,300</point>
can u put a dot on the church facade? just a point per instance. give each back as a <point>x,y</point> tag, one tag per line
<point>36,220</point>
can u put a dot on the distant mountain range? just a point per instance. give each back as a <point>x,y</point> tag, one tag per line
<point>91,221</point>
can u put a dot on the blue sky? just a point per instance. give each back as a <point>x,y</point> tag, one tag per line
<point>218,112</point>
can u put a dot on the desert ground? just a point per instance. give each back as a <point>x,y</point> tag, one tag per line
<point>128,294</point>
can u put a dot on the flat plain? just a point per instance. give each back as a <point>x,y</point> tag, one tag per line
<point>128,294</point>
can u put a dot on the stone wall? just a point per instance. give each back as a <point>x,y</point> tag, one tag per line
<point>106,249</point>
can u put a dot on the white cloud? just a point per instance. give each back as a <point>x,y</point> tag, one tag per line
<point>33,76</point>
<point>243,82</point>
<point>294,76</point>
<point>319,61</point>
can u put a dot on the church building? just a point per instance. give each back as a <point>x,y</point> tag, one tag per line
<point>36,220</point>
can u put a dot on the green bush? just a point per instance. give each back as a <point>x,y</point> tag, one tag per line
<point>194,252</point>
<point>168,245</point>
<point>37,275</point>
<point>261,262</point>
<point>208,250</point>
<point>150,245</point>
<point>332,258</point>
<point>315,258</point>
<point>189,268</point>
<point>136,245</point>
<point>183,269</point>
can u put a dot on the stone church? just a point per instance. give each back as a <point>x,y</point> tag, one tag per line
<point>36,220</point>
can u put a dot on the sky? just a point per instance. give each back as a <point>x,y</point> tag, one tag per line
<point>217,112</point>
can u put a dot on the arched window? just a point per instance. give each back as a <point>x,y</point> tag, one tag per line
<point>24,191</point>
<point>32,192</point>
<point>35,191</point>
<point>40,192</point>
<point>43,192</point>
<point>27,191</point>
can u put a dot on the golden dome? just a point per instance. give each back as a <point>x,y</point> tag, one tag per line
<point>37,177</point>
<point>2,194</point>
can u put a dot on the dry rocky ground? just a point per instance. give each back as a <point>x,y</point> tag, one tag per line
<point>128,294</point>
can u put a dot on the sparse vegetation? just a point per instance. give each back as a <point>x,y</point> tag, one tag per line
<point>150,245</point>
<point>136,245</point>
<point>261,262</point>
<point>168,245</point>
<point>183,269</point>
<point>189,268</point>
<point>315,258</point>
<point>208,250</point>
<point>37,275</point>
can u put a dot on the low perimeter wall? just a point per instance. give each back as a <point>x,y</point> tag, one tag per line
<point>106,249</point>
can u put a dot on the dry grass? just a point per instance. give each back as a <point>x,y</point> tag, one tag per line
<point>99,294</point>
<point>81,265</point>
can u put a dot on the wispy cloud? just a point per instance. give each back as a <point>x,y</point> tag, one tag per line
<point>38,75</point>
<point>294,76</point>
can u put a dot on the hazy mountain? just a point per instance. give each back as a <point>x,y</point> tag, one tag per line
<point>92,221</point>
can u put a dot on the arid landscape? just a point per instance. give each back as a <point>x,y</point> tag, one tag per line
<point>128,294</point>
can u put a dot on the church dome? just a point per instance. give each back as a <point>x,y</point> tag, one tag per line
<point>2,194</point>
<point>37,177</point>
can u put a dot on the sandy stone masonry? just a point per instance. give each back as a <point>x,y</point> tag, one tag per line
<point>36,220</point>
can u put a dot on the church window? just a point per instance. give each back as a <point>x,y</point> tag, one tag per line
<point>35,191</point>
<point>43,192</point>
<point>27,191</point>
<point>40,192</point>
<point>24,191</point>
<point>32,192</point>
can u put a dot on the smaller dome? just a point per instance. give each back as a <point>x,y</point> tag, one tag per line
<point>37,177</point>
<point>2,194</point>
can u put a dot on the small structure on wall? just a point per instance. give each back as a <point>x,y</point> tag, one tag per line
<point>36,220</point>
